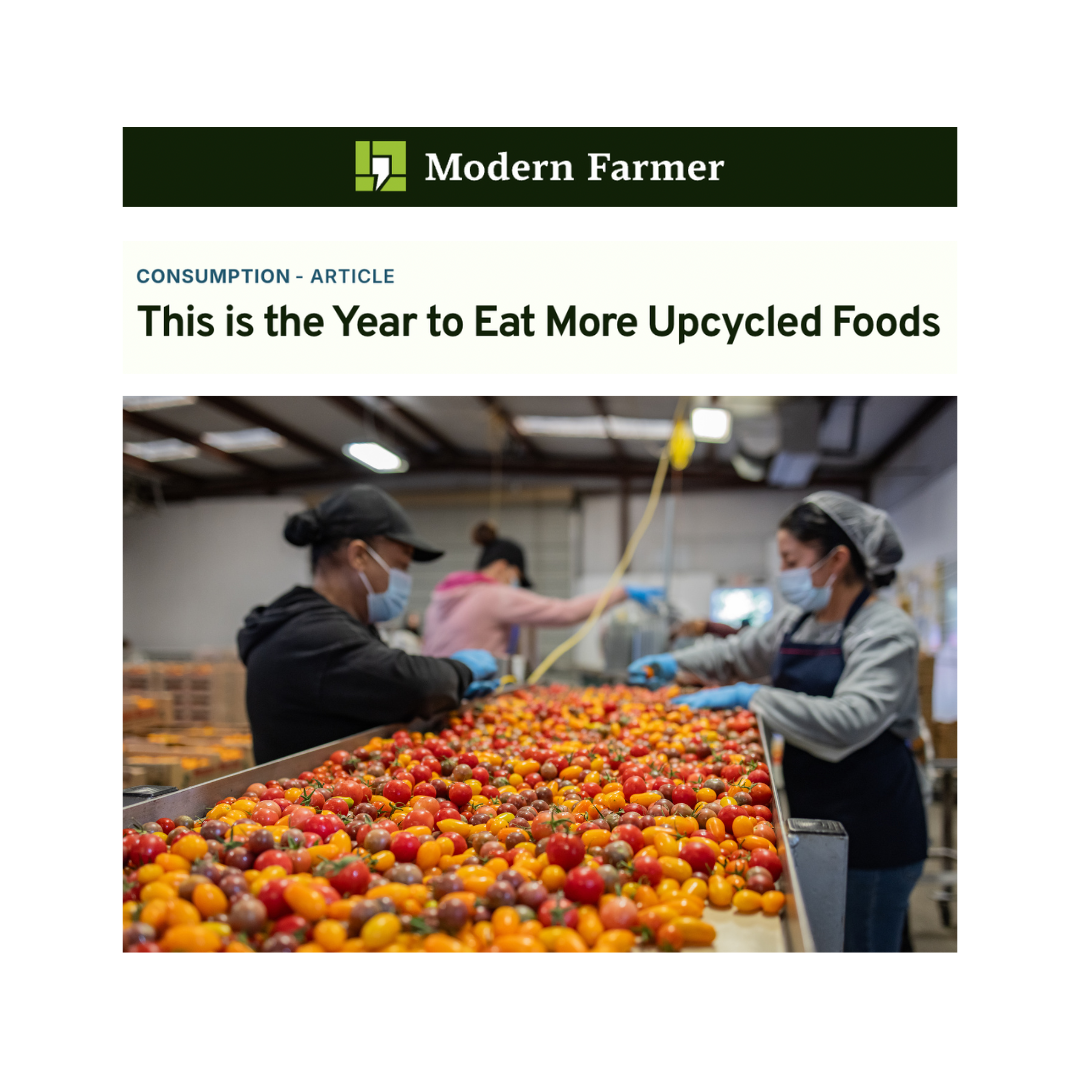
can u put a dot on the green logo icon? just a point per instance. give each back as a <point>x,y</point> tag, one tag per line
<point>380,165</point>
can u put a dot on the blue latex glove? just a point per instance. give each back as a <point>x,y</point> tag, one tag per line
<point>481,687</point>
<point>479,661</point>
<point>721,697</point>
<point>663,671</point>
<point>647,597</point>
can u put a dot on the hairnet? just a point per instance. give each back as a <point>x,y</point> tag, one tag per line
<point>871,530</point>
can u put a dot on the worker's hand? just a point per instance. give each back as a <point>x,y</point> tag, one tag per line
<point>652,671</point>
<point>479,661</point>
<point>481,687</point>
<point>647,597</point>
<point>691,628</point>
<point>720,697</point>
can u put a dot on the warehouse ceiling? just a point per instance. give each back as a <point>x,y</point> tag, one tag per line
<point>194,447</point>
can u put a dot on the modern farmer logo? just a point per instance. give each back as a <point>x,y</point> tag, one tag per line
<point>600,167</point>
<point>380,165</point>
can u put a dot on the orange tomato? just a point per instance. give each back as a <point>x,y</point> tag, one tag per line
<point>209,899</point>
<point>772,902</point>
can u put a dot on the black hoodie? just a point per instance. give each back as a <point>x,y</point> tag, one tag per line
<point>316,674</point>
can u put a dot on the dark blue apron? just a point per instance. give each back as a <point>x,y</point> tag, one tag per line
<point>873,792</point>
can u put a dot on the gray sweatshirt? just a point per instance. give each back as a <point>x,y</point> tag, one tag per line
<point>878,689</point>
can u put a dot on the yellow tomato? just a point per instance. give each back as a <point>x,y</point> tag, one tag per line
<point>676,868</point>
<point>380,930</point>
<point>720,892</point>
<point>746,901</point>
<point>190,937</point>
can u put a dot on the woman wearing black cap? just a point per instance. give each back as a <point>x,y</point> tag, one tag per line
<point>317,670</point>
<point>482,609</point>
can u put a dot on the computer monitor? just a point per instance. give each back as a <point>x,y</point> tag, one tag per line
<point>750,604</point>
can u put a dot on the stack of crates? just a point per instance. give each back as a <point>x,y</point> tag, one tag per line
<point>202,693</point>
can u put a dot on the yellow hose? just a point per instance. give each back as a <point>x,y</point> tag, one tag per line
<point>624,562</point>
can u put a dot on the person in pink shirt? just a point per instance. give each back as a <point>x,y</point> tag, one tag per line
<point>482,608</point>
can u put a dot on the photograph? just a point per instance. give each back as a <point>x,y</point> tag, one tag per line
<point>539,674</point>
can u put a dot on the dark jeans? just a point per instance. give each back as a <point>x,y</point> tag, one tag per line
<point>877,901</point>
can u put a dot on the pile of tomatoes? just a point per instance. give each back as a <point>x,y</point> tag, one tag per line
<point>542,820</point>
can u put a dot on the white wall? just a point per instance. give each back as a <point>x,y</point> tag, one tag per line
<point>194,570</point>
<point>926,521</point>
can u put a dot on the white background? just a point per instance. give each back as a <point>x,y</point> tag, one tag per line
<point>75,74</point>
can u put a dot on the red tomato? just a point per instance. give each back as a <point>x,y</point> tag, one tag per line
<point>352,789</point>
<point>293,925</point>
<point>760,775</point>
<point>322,825</point>
<point>274,857</point>
<point>631,834</point>
<point>339,757</point>
<point>399,791</point>
<point>447,810</point>
<point>349,876</point>
<point>684,793</point>
<point>761,794</point>
<point>272,896</point>
<point>634,785</point>
<point>459,793</point>
<point>167,825</point>
<point>459,842</point>
<point>565,851</point>
<point>767,859</point>
<point>584,884</point>
<point>699,855</point>
<point>405,845</point>
<point>648,869</point>
<point>417,817</point>
<point>147,848</point>
<point>556,911</point>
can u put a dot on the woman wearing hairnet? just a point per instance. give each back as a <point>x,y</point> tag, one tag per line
<point>843,694</point>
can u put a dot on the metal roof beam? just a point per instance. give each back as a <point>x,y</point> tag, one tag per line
<point>507,418</point>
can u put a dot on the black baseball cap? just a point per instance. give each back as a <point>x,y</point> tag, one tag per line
<point>508,550</point>
<point>355,513</point>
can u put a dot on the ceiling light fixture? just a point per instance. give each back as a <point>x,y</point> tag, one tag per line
<point>594,427</point>
<point>161,450</point>
<point>711,425</point>
<point>244,440</point>
<point>375,457</point>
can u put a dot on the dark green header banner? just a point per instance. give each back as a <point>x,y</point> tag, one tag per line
<point>381,166</point>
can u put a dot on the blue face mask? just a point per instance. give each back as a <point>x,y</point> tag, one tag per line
<point>797,587</point>
<point>384,606</point>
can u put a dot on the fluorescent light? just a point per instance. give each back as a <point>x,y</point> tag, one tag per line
<point>375,457</point>
<point>792,469</point>
<point>631,427</point>
<point>562,427</point>
<point>594,427</point>
<point>161,450</point>
<point>711,425</point>
<point>236,442</point>
<point>145,404</point>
